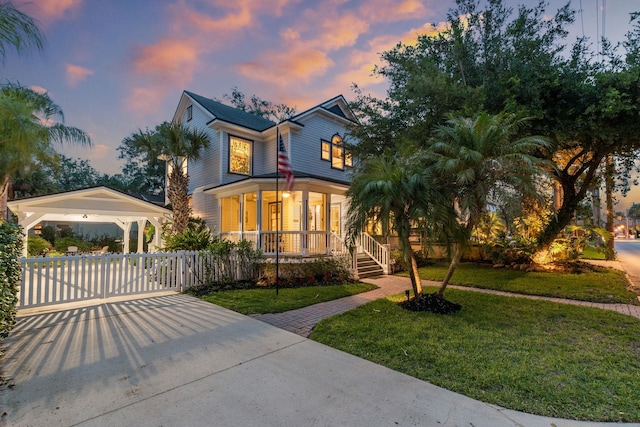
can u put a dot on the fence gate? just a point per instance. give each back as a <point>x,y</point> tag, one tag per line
<point>57,280</point>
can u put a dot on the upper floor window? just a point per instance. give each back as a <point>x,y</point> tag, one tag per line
<point>239,155</point>
<point>336,153</point>
<point>189,112</point>
<point>326,150</point>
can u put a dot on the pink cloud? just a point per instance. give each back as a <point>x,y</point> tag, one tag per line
<point>234,20</point>
<point>146,100</point>
<point>49,10</point>
<point>38,89</point>
<point>287,66</point>
<point>235,15</point>
<point>171,61</point>
<point>341,31</point>
<point>305,49</point>
<point>389,11</point>
<point>76,74</point>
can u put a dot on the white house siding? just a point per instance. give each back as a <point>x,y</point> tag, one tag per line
<point>264,158</point>
<point>204,206</point>
<point>202,171</point>
<point>305,149</point>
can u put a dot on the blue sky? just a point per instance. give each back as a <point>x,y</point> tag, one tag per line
<point>115,66</point>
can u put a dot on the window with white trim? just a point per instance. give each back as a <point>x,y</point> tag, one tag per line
<point>335,152</point>
<point>240,159</point>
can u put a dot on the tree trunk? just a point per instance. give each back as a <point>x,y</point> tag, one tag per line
<point>410,257</point>
<point>455,261</point>
<point>4,193</point>
<point>609,183</point>
<point>570,201</point>
<point>179,198</point>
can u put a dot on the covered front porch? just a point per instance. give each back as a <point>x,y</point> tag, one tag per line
<point>305,222</point>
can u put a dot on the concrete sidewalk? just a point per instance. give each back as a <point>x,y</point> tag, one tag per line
<point>178,361</point>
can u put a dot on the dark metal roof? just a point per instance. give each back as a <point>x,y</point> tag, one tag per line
<point>298,175</point>
<point>232,115</point>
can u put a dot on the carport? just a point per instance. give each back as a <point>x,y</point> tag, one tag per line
<point>97,205</point>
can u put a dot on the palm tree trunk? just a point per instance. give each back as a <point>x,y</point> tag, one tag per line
<point>414,274</point>
<point>452,267</point>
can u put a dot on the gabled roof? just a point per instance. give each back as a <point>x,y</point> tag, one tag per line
<point>230,114</point>
<point>94,204</point>
<point>337,107</point>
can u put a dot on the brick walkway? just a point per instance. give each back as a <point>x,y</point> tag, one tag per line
<point>302,320</point>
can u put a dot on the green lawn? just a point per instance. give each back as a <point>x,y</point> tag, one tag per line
<point>607,286</point>
<point>592,253</point>
<point>533,356</point>
<point>260,301</point>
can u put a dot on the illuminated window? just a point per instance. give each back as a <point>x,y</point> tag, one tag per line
<point>326,150</point>
<point>239,156</point>
<point>337,152</point>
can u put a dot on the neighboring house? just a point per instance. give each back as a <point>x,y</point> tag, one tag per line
<point>233,184</point>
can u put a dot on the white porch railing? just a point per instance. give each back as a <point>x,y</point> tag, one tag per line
<point>56,280</point>
<point>309,243</point>
<point>292,243</point>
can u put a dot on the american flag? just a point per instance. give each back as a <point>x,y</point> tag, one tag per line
<point>284,166</point>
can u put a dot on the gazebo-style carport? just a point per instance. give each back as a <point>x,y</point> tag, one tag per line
<point>96,205</point>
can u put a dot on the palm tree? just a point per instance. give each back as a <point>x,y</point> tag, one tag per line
<point>17,30</point>
<point>176,144</point>
<point>393,191</point>
<point>483,159</point>
<point>30,125</point>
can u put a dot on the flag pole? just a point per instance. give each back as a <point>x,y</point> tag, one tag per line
<point>278,207</point>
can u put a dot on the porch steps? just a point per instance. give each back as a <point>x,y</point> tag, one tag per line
<point>367,267</point>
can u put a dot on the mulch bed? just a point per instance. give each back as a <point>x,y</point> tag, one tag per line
<point>432,303</point>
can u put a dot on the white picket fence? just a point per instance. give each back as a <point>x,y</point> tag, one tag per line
<point>57,280</point>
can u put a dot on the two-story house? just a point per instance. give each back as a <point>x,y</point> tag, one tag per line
<point>233,184</point>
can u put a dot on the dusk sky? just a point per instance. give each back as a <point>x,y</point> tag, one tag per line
<point>114,66</point>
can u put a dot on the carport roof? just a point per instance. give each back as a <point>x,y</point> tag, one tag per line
<point>96,204</point>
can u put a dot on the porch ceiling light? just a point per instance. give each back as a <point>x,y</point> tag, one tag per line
<point>286,194</point>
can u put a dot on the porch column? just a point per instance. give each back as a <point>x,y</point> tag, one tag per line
<point>304,223</point>
<point>27,223</point>
<point>127,232</point>
<point>259,219</point>
<point>157,239</point>
<point>327,223</point>
<point>241,216</point>
<point>141,224</point>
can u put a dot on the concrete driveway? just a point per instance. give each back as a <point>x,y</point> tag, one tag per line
<point>176,361</point>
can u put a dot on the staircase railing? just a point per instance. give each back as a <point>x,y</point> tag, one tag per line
<point>378,252</point>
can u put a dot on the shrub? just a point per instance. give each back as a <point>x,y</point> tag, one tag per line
<point>49,234</point>
<point>307,272</point>
<point>399,264</point>
<point>196,237</point>
<point>37,246</point>
<point>509,250</point>
<point>62,243</point>
<point>10,270</point>
<point>99,242</point>
<point>228,265</point>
